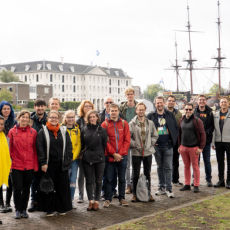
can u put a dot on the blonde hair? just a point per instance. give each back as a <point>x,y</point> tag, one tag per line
<point>80,109</point>
<point>54,99</point>
<point>92,112</point>
<point>129,90</point>
<point>23,112</point>
<point>66,114</point>
<point>141,103</point>
<point>56,112</point>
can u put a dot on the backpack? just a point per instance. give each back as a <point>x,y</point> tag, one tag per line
<point>142,190</point>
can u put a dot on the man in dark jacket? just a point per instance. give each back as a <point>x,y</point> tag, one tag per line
<point>39,118</point>
<point>204,112</point>
<point>166,126</point>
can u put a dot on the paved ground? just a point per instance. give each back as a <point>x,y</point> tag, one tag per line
<point>81,219</point>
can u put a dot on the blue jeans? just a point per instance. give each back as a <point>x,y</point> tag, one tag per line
<point>73,177</point>
<point>164,157</point>
<point>111,168</point>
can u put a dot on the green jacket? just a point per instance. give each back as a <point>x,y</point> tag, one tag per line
<point>123,108</point>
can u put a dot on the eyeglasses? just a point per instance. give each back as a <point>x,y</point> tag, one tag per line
<point>70,117</point>
<point>88,106</point>
<point>108,102</point>
<point>53,118</point>
<point>188,109</point>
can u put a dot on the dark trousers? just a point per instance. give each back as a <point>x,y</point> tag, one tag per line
<point>111,169</point>
<point>175,169</point>
<point>8,193</point>
<point>21,181</point>
<point>221,148</point>
<point>93,175</point>
<point>60,199</point>
<point>136,164</point>
<point>35,186</point>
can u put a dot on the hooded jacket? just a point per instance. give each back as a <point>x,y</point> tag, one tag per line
<point>118,137</point>
<point>37,124</point>
<point>22,142</point>
<point>151,136</point>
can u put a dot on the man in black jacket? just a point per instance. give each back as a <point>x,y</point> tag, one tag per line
<point>204,112</point>
<point>167,128</point>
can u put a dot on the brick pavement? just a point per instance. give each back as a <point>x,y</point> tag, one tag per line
<point>81,219</point>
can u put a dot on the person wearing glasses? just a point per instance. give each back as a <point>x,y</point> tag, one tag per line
<point>192,140</point>
<point>54,149</point>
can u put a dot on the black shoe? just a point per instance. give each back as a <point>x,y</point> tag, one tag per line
<point>0,222</point>
<point>33,207</point>
<point>219,184</point>
<point>227,185</point>
<point>24,214</point>
<point>17,215</point>
<point>186,187</point>
<point>209,184</point>
<point>196,189</point>
<point>8,208</point>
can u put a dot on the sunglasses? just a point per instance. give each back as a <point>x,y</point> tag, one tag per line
<point>108,102</point>
<point>188,109</point>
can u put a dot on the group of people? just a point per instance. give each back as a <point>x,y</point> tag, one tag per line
<point>98,150</point>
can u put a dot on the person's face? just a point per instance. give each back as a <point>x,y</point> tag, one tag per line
<point>40,109</point>
<point>202,101</point>
<point>70,119</point>
<point>159,104</point>
<point>130,96</point>
<point>224,103</point>
<point>171,102</point>
<point>93,119</point>
<point>6,111</point>
<point>1,125</point>
<point>87,107</point>
<point>24,120</point>
<point>140,111</point>
<point>188,111</point>
<point>107,103</point>
<point>54,105</point>
<point>114,113</point>
<point>53,119</point>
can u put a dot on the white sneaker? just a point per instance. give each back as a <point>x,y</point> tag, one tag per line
<point>80,201</point>
<point>106,204</point>
<point>160,191</point>
<point>74,206</point>
<point>170,194</point>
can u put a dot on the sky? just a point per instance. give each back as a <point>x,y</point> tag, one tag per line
<point>136,36</point>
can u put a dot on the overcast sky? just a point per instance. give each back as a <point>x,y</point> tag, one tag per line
<point>135,35</point>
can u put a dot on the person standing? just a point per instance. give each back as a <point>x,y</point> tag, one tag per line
<point>170,106</point>
<point>221,141</point>
<point>82,110</point>
<point>204,112</point>
<point>55,156</point>
<point>128,112</point>
<point>116,154</point>
<point>22,142</point>
<point>192,139</point>
<point>75,136</point>
<point>7,112</point>
<point>93,139</point>
<point>54,104</point>
<point>167,129</point>
<point>143,138</point>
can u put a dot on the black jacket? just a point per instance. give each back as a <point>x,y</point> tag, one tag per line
<point>37,124</point>
<point>81,122</point>
<point>55,153</point>
<point>93,143</point>
<point>208,123</point>
<point>171,123</point>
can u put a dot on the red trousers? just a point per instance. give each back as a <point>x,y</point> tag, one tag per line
<point>189,157</point>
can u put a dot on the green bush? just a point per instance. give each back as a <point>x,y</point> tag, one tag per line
<point>70,105</point>
<point>30,104</point>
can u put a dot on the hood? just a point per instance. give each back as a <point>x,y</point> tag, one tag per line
<point>11,116</point>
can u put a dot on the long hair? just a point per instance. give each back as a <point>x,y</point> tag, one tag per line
<point>80,109</point>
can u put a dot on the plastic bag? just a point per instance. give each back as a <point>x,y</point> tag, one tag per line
<point>142,191</point>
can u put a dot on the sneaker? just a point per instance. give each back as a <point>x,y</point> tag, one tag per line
<point>24,214</point>
<point>134,198</point>
<point>219,184</point>
<point>62,213</point>
<point>178,184</point>
<point>196,189</point>
<point>80,201</point>
<point>160,191</point>
<point>17,215</point>
<point>209,184</point>
<point>170,194</point>
<point>151,199</point>
<point>50,214</point>
<point>124,203</point>
<point>186,187</point>
<point>74,206</point>
<point>227,185</point>
<point>2,209</point>
<point>128,190</point>
<point>8,208</point>
<point>106,204</point>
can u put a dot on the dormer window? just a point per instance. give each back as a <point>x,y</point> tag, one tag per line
<point>60,67</point>
<point>72,69</point>
<point>108,71</point>
<point>27,67</point>
<point>39,66</point>
<point>48,66</point>
<point>117,73</point>
<point>12,68</point>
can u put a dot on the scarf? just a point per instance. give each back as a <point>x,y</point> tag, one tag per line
<point>52,128</point>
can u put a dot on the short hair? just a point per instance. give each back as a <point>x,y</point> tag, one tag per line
<point>107,97</point>
<point>23,112</point>
<point>54,111</point>
<point>224,98</point>
<point>66,114</point>
<point>92,112</point>
<point>80,109</point>
<point>129,89</point>
<point>40,102</point>
<point>54,99</point>
<point>189,104</point>
<point>172,96</point>
<point>202,95</point>
<point>140,103</point>
<point>159,97</point>
<point>114,105</point>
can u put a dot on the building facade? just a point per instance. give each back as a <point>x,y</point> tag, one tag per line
<point>74,82</point>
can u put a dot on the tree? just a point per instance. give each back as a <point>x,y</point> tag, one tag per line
<point>8,76</point>
<point>6,95</point>
<point>215,89</point>
<point>152,91</point>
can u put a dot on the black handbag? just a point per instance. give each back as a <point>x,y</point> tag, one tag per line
<point>46,183</point>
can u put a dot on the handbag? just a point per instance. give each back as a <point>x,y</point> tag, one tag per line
<point>46,183</point>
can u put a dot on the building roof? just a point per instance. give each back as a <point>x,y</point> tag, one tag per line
<point>39,66</point>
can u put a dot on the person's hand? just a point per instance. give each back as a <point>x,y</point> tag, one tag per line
<point>117,157</point>
<point>198,151</point>
<point>178,149</point>
<point>213,147</point>
<point>44,168</point>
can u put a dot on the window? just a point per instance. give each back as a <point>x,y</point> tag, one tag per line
<point>63,88</point>
<point>10,89</point>
<point>74,88</point>
<point>63,78</point>
<point>25,78</point>
<point>46,90</point>
<point>51,78</point>
<point>74,79</point>
<point>118,90</point>
<point>118,82</point>
<point>63,99</point>
<point>37,78</point>
<point>74,99</point>
<point>127,83</point>
<point>109,81</point>
<point>110,90</point>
